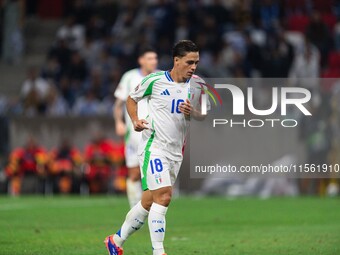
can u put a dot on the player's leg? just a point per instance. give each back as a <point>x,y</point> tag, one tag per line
<point>133,182</point>
<point>134,220</point>
<point>157,222</point>
<point>133,186</point>
<point>160,173</point>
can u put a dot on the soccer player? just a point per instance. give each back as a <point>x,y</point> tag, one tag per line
<point>173,97</point>
<point>147,60</point>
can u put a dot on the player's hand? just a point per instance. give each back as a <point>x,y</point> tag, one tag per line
<point>140,125</point>
<point>186,108</point>
<point>120,128</point>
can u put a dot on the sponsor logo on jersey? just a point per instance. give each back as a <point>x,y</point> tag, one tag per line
<point>165,93</point>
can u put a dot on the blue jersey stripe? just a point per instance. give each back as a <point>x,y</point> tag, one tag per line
<point>167,74</point>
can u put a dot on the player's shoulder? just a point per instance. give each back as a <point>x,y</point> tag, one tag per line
<point>153,77</point>
<point>196,78</point>
<point>131,73</point>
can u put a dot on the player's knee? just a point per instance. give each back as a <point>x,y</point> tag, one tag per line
<point>147,205</point>
<point>134,174</point>
<point>163,199</point>
<point>147,200</point>
<point>166,200</point>
<point>134,177</point>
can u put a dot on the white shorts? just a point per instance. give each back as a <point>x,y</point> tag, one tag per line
<point>158,171</point>
<point>131,149</point>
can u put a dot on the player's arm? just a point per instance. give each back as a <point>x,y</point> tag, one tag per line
<point>118,110</point>
<point>132,108</point>
<point>143,90</point>
<point>121,94</point>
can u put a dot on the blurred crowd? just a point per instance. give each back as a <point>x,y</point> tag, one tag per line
<point>100,168</point>
<point>100,39</point>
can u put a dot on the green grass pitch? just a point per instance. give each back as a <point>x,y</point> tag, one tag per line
<point>78,225</point>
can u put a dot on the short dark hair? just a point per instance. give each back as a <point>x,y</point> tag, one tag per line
<point>145,49</point>
<point>183,47</point>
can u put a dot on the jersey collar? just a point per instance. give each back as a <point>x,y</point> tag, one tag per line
<point>168,76</point>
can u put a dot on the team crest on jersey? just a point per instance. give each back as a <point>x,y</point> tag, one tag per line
<point>158,178</point>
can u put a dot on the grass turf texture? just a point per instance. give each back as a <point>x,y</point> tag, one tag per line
<point>78,225</point>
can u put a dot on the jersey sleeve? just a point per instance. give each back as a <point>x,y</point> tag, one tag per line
<point>144,89</point>
<point>122,90</point>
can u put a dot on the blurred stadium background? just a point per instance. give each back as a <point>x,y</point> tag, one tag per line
<point>60,136</point>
